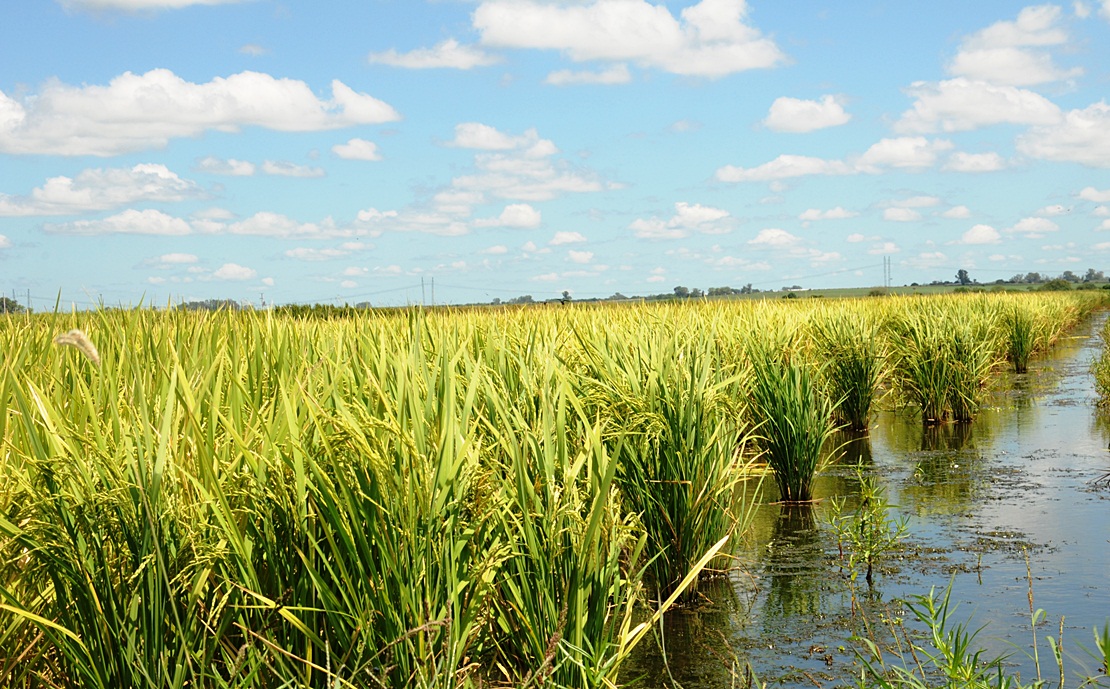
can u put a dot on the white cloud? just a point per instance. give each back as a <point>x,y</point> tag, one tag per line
<point>617,74</point>
<point>1092,194</point>
<point>447,54</point>
<point>1053,211</point>
<point>774,237</point>
<point>1033,228</point>
<point>785,166</point>
<point>135,112</point>
<point>928,259</point>
<point>974,162</point>
<point>150,222</point>
<point>307,254</point>
<point>101,189</point>
<point>901,215</point>
<point>884,249</point>
<point>283,168</point>
<point>1082,137</point>
<point>795,115</point>
<point>253,49</point>
<point>908,152</point>
<point>1101,212</point>
<point>234,271</point>
<point>981,234</point>
<point>519,215</point>
<point>958,105</point>
<point>496,250</point>
<point>357,149</point>
<point>484,137</point>
<point>582,257</point>
<point>710,39</point>
<point>218,166</point>
<point>566,238</point>
<point>355,271</point>
<point>958,212</point>
<point>914,202</point>
<point>177,259</point>
<point>1003,53</point>
<point>837,213</point>
<point>348,284</point>
<point>267,224</point>
<point>1104,11</point>
<point>688,217</point>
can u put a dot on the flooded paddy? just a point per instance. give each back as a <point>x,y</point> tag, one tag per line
<point>1017,488</point>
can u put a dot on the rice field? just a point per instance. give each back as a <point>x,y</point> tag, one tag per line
<point>501,497</point>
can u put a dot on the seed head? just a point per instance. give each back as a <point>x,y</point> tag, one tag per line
<point>78,339</point>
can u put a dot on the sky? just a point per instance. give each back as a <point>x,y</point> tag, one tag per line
<point>400,151</point>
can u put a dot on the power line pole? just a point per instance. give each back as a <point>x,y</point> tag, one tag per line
<point>433,292</point>
<point>422,301</point>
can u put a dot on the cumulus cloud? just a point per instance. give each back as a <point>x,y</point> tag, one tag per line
<point>448,54</point>
<point>957,212</point>
<point>687,218</point>
<point>908,152</point>
<point>901,215</point>
<point>904,153</point>
<point>774,237</point>
<point>1082,137</point>
<point>282,168</point>
<point>357,149</point>
<point>1011,52</point>
<point>231,167</point>
<point>709,39</point>
<point>517,167</point>
<point>567,238</point>
<point>981,234</point>
<point>310,254</point>
<point>519,215</point>
<point>101,189</point>
<point>617,74</point>
<point>837,213</point>
<point>235,272</point>
<point>1092,194</point>
<point>975,162</point>
<point>1033,228</point>
<point>135,112</point>
<point>795,115</point>
<point>961,104</point>
<point>582,257</point>
<point>177,259</point>
<point>786,166</point>
<point>149,222</point>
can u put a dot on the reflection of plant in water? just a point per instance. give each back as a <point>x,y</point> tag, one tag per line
<point>867,533</point>
<point>793,589</point>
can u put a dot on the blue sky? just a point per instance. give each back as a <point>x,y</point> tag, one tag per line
<point>172,150</point>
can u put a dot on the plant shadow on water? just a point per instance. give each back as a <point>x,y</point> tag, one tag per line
<point>1027,477</point>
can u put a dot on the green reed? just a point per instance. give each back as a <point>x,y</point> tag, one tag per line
<point>793,420</point>
<point>850,349</point>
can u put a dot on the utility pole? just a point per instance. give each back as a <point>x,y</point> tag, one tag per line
<point>433,292</point>
<point>28,300</point>
<point>886,271</point>
<point>422,301</point>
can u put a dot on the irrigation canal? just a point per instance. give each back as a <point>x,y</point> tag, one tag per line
<point>1018,485</point>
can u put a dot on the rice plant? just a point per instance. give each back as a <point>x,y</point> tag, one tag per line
<point>793,420</point>
<point>850,350</point>
<point>1020,336</point>
<point>675,415</point>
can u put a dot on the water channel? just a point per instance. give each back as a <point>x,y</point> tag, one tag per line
<point>1020,487</point>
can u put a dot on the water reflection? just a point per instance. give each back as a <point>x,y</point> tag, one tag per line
<point>793,566</point>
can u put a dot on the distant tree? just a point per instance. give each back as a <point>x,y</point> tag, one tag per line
<point>496,301</point>
<point>1057,285</point>
<point>1033,278</point>
<point>1093,275</point>
<point>10,306</point>
<point>1069,276</point>
<point>566,296</point>
<point>790,295</point>
<point>617,296</point>
<point>523,299</point>
<point>746,289</point>
<point>696,293</point>
<point>681,292</point>
<point>962,277</point>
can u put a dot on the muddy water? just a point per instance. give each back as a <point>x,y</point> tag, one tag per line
<point>1018,485</point>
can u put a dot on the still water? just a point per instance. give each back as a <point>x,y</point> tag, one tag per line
<point>1020,487</point>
